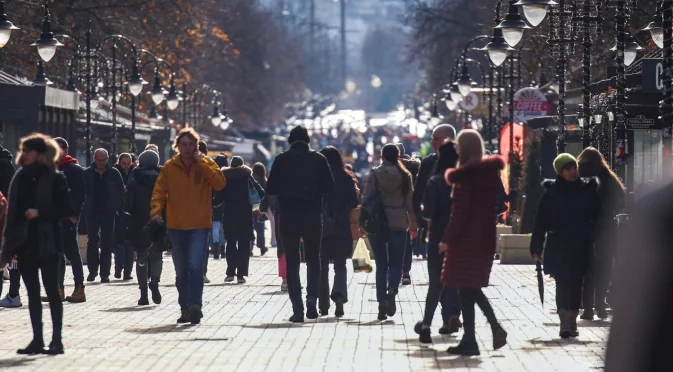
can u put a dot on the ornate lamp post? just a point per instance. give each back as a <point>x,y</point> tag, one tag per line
<point>47,43</point>
<point>6,26</point>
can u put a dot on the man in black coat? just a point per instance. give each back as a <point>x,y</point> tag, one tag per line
<point>74,173</point>
<point>300,177</point>
<point>6,170</point>
<point>122,250</point>
<point>104,190</point>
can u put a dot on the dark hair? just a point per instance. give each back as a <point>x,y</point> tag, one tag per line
<point>259,171</point>
<point>203,148</point>
<point>189,132</point>
<point>391,153</point>
<point>336,163</point>
<point>62,143</point>
<point>124,155</point>
<point>591,163</point>
<point>448,157</point>
<point>237,161</point>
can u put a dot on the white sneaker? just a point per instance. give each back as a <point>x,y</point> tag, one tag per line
<point>10,301</point>
<point>229,279</point>
<point>5,273</point>
<point>241,281</point>
<point>206,280</point>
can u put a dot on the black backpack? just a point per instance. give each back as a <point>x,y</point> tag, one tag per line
<point>373,218</point>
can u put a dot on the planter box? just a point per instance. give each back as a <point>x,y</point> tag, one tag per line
<point>500,230</point>
<point>515,249</point>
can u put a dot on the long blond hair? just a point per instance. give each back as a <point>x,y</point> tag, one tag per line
<point>470,147</point>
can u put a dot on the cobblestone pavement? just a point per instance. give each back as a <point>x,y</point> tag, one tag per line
<point>245,329</point>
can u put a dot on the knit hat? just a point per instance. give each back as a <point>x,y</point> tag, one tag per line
<point>148,158</point>
<point>298,133</point>
<point>562,161</point>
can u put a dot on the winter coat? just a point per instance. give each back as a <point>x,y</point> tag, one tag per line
<point>425,171</point>
<point>264,207</point>
<point>237,220</point>
<point>187,197</point>
<point>218,206</point>
<point>567,215</point>
<point>137,205</point>
<point>3,213</point>
<point>344,198</point>
<point>471,233</point>
<point>74,173</point>
<point>399,207</point>
<point>437,210</point>
<point>412,165</point>
<point>114,189</point>
<point>613,198</point>
<point>126,177</point>
<point>300,177</point>
<point>6,170</point>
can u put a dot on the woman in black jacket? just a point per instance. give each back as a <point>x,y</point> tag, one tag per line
<point>237,220</point>
<point>216,235</point>
<point>437,210</point>
<point>39,199</point>
<point>567,215</point>
<point>337,240</point>
<point>259,174</point>
<point>137,205</point>
<point>596,283</point>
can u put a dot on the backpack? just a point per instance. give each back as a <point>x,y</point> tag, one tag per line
<point>373,218</point>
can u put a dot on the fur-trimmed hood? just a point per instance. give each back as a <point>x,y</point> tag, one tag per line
<point>49,157</point>
<point>487,164</point>
<point>242,171</point>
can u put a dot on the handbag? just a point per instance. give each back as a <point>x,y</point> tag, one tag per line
<point>373,218</point>
<point>253,195</point>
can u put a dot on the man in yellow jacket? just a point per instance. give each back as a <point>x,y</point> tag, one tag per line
<point>184,191</point>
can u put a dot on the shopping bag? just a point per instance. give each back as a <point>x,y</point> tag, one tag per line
<point>362,262</point>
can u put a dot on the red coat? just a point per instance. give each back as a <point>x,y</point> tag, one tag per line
<point>471,233</point>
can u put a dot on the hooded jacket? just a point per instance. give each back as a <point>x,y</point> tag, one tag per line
<point>187,197</point>
<point>237,221</point>
<point>137,204</point>
<point>74,173</point>
<point>399,208</point>
<point>6,170</point>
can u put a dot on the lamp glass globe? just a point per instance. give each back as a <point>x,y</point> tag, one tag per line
<point>157,97</point>
<point>629,57</point>
<point>450,105</point>
<point>172,103</point>
<point>512,35</point>
<point>456,97</point>
<point>4,36</point>
<point>216,120</point>
<point>497,56</point>
<point>658,37</point>
<point>136,87</point>
<point>464,89</point>
<point>535,13</point>
<point>46,52</point>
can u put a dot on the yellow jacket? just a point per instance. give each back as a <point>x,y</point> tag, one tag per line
<point>187,198</point>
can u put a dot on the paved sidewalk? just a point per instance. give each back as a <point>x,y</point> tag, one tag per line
<point>245,329</point>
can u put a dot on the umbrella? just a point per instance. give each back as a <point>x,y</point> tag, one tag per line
<point>540,281</point>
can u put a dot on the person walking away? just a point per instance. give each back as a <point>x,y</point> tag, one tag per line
<point>217,234</point>
<point>394,183</point>
<point>412,165</point>
<point>74,174</point>
<point>137,205</point>
<point>437,211</point>
<point>567,214</point>
<point>38,200</point>
<point>123,252</point>
<point>259,174</point>
<point>337,241</point>
<point>300,177</point>
<point>184,191</point>
<point>470,237</point>
<point>202,147</point>
<point>280,252</point>
<point>104,190</point>
<point>613,196</point>
<point>237,220</point>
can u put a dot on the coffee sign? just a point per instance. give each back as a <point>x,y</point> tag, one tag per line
<point>530,103</point>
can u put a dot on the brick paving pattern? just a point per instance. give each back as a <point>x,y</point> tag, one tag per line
<point>245,328</point>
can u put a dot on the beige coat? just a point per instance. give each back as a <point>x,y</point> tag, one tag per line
<point>399,208</point>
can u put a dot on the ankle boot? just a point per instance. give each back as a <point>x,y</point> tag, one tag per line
<point>564,318</point>
<point>37,345</point>
<point>143,301</point>
<point>467,347</point>
<point>499,336</point>
<point>77,296</point>
<point>572,322</point>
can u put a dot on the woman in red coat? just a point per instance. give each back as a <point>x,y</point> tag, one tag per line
<point>470,237</point>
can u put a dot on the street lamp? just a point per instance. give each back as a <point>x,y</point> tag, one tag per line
<point>497,48</point>
<point>216,118</point>
<point>172,100</point>
<point>157,91</point>
<point>512,27</point>
<point>47,43</point>
<point>535,11</point>
<point>41,78</point>
<point>631,48</point>
<point>465,82</point>
<point>656,27</point>
<point>6,26</point>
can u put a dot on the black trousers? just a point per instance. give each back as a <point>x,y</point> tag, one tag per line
<point>152,269</point>
<point>238,257</point>
<point>468,298</point>
<point>568,293</point>
<point>437,293</point>
<point>71,252</point>
<point>100,228</point>
<point>293,229</point>
<point>14,282</point>
<point>49,268</point>
<point>340,287</point>
<point>598,278</point>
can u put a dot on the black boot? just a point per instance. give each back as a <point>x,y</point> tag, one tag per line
<point>499,337</point>
<point>588,314</point>
<point>339,312</point>
<point>383,311</point>
<point>37,345</point>
<point>297,318</point>
<point>423,333</point>
<point>143,301</point>
<point>564,318</point>
<point>184,316</point>
<point>55,348</point>
<point>311,309</point>
<point>467,347</point>
<point>154,287</point>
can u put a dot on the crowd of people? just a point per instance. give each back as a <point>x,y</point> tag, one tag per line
<point>197,206</point>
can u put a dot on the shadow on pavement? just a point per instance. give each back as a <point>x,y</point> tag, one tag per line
<point>560,342</point>
<point>16,362</point>
<point>277,325</point>
<point>166,328</point>
<point>371,323</point>
<point>128,309</point>
<point>444,361</point>
<point>273,293</point>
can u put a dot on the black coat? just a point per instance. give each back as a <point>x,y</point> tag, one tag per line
<point>425,171</point>
<point>437,209</point>
<point>137,205</point>
<point>567,214</point>
<point>114,188</point>
<point>218,206</point>
<point>237,220</point>
<point>343,199</point>
<point>74,173</point>
<point>6,170</point>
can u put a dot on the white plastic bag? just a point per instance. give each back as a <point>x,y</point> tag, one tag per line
<point>362,262</point>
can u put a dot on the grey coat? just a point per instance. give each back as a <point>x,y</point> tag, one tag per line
<point>399,207</point>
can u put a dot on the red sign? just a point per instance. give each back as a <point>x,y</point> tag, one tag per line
<point>530,103</point>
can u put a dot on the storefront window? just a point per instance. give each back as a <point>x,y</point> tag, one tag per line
<point>647,156</point>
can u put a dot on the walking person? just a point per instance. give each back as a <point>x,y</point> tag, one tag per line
<point>6,170</point>
<point>412,165</point>
<point>38,200</point>
<point>202,147</point>
<point>437,211</point>
<point>300,177</point>
<point>123,251</point>
<point>237,220</point>
<point>470,237</point>
<point>217,234</point>
<point>394,183</point>
<point>104,190</point>
<point>136,204</point>
<point>597,281</point>
<point>183,191</point>
<point>568,214</point>
<point>259,174</point>
<point>337,241</point>
<point>74,174</point>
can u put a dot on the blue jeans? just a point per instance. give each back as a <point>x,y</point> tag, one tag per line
<point>217,237</point>
<point>190,249</point>
<point>389,255</point>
